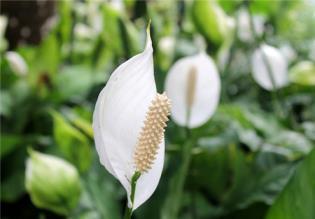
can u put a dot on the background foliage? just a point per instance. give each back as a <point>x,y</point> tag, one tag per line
<point>251,152</point>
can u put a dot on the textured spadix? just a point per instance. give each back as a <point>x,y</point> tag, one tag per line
<point>119,116</point>
<point>278,66</point>
<point>193,85</point>
<point>152,133</point>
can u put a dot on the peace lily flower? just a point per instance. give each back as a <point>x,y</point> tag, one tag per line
<point>269,67</point>
<point>193,85</point>
<point>128,123</point>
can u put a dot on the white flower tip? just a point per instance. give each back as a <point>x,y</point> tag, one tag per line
<point>152,133</point>
<point>149,41</point>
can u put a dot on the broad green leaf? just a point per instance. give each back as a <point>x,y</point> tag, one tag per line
<point>102,194</point>
<point>47,56</point>
<point>297,200</point>
<point>254,178</point>
<point>72,143</point>
<point>74,82</point>
<point>296,142</point>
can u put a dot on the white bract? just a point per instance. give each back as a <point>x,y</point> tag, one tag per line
<point>193,85</point>
<point>288,52</point>
<point>274,77</point>
<point>245,32</point>
<point>16,63</point>
<point>128,128</point>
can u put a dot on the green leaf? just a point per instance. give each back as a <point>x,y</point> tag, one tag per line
<point>72,143</point>
<point>102,194</point>
<point>297,200</point>
<point>5,103</point>
<point>8,143</point>
<point>296,142</point>
<point>12,175</point>
<point>13,186</point>
<point>74,82</point>
<point>265,7</point>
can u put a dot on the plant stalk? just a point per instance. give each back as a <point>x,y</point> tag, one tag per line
<point>134,179</point>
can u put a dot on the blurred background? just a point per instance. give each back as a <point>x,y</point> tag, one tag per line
<point>56,56</point>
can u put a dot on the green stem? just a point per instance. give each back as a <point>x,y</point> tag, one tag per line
<point>134,179</point>
<point>172,204</point>
<point>177,183</point>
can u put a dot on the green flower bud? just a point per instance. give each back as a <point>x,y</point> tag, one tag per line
<point>52,183</point>
<point>211,21</point>
<point>303,73</point>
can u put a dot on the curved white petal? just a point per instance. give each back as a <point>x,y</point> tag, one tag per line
<point>207,90</point>
<point>118,118</point>
<point>278,65</point>
<point>148,182</point>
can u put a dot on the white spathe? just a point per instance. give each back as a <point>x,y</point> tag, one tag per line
<point>16,63</point>
<point>206,94</point>
<point>278,66</point>
<point>244,32</point>
<point>118,117</point>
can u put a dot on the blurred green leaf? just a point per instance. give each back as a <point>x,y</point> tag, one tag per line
<point>72,143</point>
<point>297,200</point>
<point>65,22</point>
<point>47,56</point>
<point>296,142</point>
<point>74,82</point>
<point>5,103</point>
<point>8,143</point>
<point>264,7</point>
<point>13,186</point>
<point>256,181</point>
<point>101,194</point>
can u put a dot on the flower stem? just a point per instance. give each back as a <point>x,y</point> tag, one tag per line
<point>173,203</point>
<point>134,179</point>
